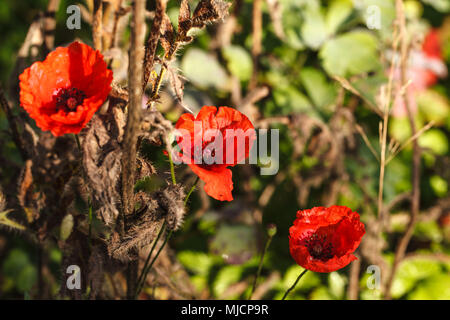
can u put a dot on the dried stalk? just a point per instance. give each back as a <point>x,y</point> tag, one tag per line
<point>97,25</point>
<point>353,286</point>
<point>152,42</point>
<point>132,128</point>
<point>50,25</point>
<point>415,202</point>
<point>256,44</point>
<point>135,104</point>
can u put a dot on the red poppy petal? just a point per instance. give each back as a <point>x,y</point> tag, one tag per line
<point>76,70</point>
<point>218,182</point>
<point>348,235</point>
<point>324,239</point>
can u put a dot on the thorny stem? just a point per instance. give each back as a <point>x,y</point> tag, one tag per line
<point>295,283</point>
<point>158,83</point>
<point>258,273</point>
<point>143,276</point>
<point>132,128</point>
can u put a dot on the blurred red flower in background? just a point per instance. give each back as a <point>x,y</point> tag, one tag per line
<point>324,239</point>
<point>63,92</point>
<point>426,66</point>
<point>230,124</point>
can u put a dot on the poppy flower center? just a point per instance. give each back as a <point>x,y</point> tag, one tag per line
<point>69,99</point>
<point>319,247</point>
<point>207,154</point>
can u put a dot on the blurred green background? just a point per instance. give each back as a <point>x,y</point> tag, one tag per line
<point>220,244</point>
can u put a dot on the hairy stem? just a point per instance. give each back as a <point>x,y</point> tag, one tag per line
<point>132,129</point>
<point>261,261</point>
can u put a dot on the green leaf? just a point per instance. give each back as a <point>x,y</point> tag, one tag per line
<point>435,140</point>
<point>437,287</point>
<point>235,243</point>
<point>429,230</point>
<point>336,284</point>
<point>386,10</point>
<point>314,30</point>
<point>338,12</point>
<point>226,276</point>
<point>307,282</point>
<point>439,5</point>
<point>204,70</point>
<point>16,261</point>
<point>321,293</point>
<point>19,268</point>
<point>27,278</point>
<point>433,106</point>
<point>411,271</point>
<point>439,185</point>
<point>197,262</point>
<point>239,62</point>
<point>321,92</point>
<point>400,129</point>
<point>290,99</point>
<point>350,54</point>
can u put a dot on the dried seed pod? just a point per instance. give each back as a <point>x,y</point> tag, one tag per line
<point>209,11</point>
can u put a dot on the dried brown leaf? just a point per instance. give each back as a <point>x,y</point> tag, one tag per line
<point>167,37</point>
<point>209,11</point>
<point>102,162</point>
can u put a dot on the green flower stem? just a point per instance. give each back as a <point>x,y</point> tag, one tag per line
<point>153,261</point>
<point>148,266</point>
<point>143,276</point>
<point>190,191</point>
<point>172,167</point>
<point>258,273</point>
<point>295,283</point>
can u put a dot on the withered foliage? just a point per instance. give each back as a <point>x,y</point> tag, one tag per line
<point>142,228</point>
<point>102,161</point>
<point>315,139</point>
<point>82,177</point>
<point>207,11</point>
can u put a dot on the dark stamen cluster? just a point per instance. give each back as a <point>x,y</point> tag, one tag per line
<point>69,99</point>
<point>319,247</point>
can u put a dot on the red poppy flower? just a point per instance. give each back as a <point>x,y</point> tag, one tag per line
<point>432,45</point>
<point>63,92</point>
<point>226,124</point>
<point>324,239</point>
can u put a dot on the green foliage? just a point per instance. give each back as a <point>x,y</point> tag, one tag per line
<point>198,66</point>
<point>19,271</point>
<point>351,53</point>
<point>221,247</point>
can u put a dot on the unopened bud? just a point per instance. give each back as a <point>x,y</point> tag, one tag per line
<point>271,230</point>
